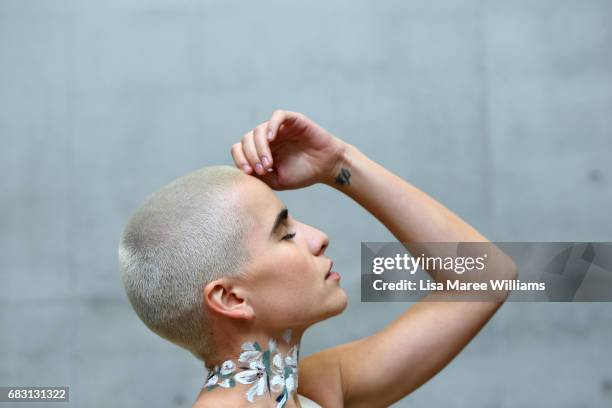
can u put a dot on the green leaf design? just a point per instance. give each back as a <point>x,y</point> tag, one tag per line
<point>266,362</point>
<point>257,346</point>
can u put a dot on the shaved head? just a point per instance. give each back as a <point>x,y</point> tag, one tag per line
<point>185,235</point>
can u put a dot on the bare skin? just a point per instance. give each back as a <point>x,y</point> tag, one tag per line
<point>384,367</point>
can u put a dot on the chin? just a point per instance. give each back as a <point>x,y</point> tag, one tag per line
<point>344,302</point>
<point>336,305</point>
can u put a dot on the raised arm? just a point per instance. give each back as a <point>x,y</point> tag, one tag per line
<point>381,369</point>
<point>291,151</point>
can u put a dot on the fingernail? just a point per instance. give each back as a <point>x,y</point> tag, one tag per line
<point>246,168</point>
<point>265,161</point>
<point>258,168</point>
<point>270,134</point>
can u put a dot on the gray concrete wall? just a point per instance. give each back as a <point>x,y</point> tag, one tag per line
<point>502,110</point>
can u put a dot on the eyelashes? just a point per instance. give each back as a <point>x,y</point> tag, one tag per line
<point>289,236</point>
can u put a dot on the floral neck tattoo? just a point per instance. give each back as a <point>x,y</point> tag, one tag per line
<point>267,370</point>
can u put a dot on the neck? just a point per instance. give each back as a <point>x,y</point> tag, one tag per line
<point>264,368</point>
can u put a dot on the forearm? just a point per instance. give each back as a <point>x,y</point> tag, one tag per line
<point>411,215</point>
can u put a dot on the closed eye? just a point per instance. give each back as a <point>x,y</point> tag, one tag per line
<point>289,236</point>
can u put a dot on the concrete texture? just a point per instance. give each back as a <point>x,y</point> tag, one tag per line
<point>500,110</point>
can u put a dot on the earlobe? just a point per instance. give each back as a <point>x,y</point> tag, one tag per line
<point>222,298</point>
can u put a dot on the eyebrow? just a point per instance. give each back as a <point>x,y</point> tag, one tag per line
<point>281,217</point>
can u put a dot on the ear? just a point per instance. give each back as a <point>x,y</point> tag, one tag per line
<point>224,298</point>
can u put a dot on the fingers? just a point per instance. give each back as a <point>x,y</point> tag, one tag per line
<point>280,117</point>
<point>239,160</point>
<point>262,147</point>
<point>253,152</point>
<point>250,152</point>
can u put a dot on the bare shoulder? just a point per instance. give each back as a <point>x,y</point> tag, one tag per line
<point>212,399</point>
<point>201,400</point>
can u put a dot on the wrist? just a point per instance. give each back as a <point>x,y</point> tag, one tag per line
<point>340,173</point>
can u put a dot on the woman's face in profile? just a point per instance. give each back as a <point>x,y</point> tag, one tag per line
<point>287,285</point>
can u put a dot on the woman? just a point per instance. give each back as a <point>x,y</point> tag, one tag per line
<point>215,263</point>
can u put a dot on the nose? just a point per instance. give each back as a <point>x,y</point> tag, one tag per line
<point>318,241</point>
<point>324,244</point>
<point>321,242</point>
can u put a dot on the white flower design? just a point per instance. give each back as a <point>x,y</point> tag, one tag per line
<point>266,371</point>
<point>212,380</point>
<point>292,357</point>
<point>284,375</point>
<point>225,383</point>
<point>291,362</point>
<point>228,367</point>
<point>250,352</point>
<point>290,384</point>
<point>278,373</point>
<point>256,375</point>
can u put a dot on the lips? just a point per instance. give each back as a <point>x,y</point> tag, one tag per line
<point>331,264</point>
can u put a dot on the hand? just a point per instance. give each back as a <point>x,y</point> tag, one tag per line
<point>289,151</point>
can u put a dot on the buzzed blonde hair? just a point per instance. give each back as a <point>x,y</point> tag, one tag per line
<point>183,236</point>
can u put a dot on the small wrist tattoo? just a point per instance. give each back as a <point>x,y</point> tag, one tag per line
<point>344,177</point>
